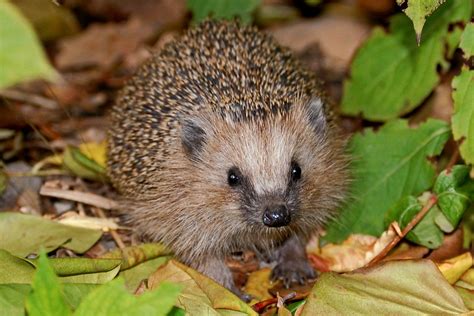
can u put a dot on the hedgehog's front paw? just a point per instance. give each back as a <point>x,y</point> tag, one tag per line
<point>297,270</point>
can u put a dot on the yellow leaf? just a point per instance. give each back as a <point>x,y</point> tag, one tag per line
<point>468,277</point>
<point>96,152</point>
<point>258,284</point>
<point>453,268</point>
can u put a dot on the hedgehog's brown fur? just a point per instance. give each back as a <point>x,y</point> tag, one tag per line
<point>258,109</point>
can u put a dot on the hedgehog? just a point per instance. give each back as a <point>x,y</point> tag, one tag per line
<point>223,142</point>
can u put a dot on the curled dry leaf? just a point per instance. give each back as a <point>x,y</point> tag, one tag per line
<point>134,255</point>
<point>355,252</point>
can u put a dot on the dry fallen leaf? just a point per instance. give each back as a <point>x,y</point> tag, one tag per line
<point>439,105</point>
<point>76,220</point>
<point>452,246</point>
<point>83,197</point>
<point>355,252</point>
<point>330,31</point>
<point>258,284</point>
<point>468,277</point>
<point>453,268</point>
<point>102,45</point>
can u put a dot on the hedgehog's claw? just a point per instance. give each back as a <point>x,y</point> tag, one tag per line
<point>293,271</point>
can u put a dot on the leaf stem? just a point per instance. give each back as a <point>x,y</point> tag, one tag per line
<point>431,202</point>
<point>452,161</point>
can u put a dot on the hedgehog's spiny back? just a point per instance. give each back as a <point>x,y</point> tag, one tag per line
<point>235,71</point>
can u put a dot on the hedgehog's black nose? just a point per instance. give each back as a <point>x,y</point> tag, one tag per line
<point>276,216</point>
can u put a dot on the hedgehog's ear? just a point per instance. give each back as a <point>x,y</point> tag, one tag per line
<point>193,136</point>
<point>316,114</point>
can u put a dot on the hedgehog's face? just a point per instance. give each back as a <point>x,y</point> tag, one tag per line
<point>272,174</point>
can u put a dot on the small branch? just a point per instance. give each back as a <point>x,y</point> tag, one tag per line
<point>83,197</point>
<point>452,161</point>
<point>113,233</point>
<point>29,98</point>
<point>260,306</point>
<point>431,202</point>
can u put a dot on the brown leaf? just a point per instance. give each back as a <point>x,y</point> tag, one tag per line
<point>451,247</point>
<point>21,191</point>
<point>102,45</point>
<point>377,7</point>
<point>338,37</point>
<point>439,106</point>
<point>49,20</point>
<point>151,11</point>
<point>406,251</point>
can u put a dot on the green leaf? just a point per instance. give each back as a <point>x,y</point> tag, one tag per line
<point>418,10</point>
<point>21,55</point>
<point>13,296</point>
<point>113,299</point>
<point>391,75</point>
<point>135,275</point>
<point>222,9</point>
<point>14,269</point>
<point>453,198</point>
<point>394,288</point>
<point>134,255</point>
<point>467,296</point>
<point>12,299</point>
<point>82,166</point>
<point>47,297</point>
<point>463,117</point>
<point>425,233</point>
<point>84,270</point>
<point>467,40</point>
<point>3,180</point>
<point>70,270</point>
<point>24,234</point>
<point>387,166</point>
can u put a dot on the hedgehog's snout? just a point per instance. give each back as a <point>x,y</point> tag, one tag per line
<point>276,216</point>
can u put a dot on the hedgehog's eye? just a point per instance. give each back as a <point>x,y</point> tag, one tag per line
<point>233,177</point>
<point>295,172</point>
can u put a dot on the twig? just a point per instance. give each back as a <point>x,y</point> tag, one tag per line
<point>281,300</point>
<point>83,197</point>
<point>113,233</point>
<point>431,202</point>
<point>452,161</point>
<point>260,306</point>
<point>41,173</point>
<point>29,98</point>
